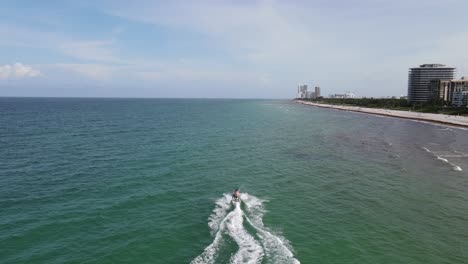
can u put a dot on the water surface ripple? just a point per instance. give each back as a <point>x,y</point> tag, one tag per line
<point>143,181</point>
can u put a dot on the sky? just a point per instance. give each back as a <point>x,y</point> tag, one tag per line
<point>224,49</point>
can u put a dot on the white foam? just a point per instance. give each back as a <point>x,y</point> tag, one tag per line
<point>454,167</point>
<point>209,254</point>
<point>219,213</point>
<point>442,159</point>
<point>225,222</point>
<point>250,251</point>
<point>217,224</point>
<point>277,248</point>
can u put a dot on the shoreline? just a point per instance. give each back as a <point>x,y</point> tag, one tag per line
<point>457,121</point>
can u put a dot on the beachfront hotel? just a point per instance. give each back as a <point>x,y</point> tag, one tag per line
<point>419,90</point>
<point>452,93</point>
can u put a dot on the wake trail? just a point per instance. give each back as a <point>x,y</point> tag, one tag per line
<point>250,250</point>
<point>217,224</point>
<point>225,221</point>
<point>277,248</point>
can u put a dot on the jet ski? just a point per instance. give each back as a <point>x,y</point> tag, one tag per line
<point>235,196</point>
<point>235,200</point>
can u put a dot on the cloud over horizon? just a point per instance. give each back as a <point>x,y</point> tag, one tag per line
<point>17,71</point>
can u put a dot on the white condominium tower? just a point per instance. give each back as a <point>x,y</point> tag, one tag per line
<point>419,79</point>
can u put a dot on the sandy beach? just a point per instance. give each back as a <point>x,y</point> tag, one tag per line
<point>460,121</point>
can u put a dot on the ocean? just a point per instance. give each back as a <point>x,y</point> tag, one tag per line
<point>86,180</point>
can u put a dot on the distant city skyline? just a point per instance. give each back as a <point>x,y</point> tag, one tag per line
<point>224,49</point>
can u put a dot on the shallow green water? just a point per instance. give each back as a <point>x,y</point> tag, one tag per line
<point>136,181</point>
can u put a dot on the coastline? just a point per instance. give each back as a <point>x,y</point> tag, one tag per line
<point>458,121</point>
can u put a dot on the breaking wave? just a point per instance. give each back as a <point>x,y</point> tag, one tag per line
<point>243,224</point>
<point>441,158</point>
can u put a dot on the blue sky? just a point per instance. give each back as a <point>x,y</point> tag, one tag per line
<point>219,49</point>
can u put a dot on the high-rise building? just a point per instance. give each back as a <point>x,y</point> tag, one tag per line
<point>302,91</point>
<point>317,91</point>
<point>440,91</point>
<point>419,79</point>
<point>460,92</point>
<point>453,92</point>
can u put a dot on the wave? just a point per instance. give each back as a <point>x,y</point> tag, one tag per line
<point>454,167</point>
<point>446,129</point>
<point>254,245</point>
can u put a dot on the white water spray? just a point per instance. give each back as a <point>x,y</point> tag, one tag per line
<point>228,221</point>
<point>454,167</point>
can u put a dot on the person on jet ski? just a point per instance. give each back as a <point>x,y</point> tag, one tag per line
<point>236,195</point>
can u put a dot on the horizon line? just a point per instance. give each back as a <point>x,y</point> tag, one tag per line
<point>124,97</point>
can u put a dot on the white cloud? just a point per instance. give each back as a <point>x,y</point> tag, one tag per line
<point>365,46</point>
<point>334,44</point>
<point>17,71</point>
<point>264,32</point>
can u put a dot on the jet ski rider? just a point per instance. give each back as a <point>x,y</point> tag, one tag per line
<point>236,195</point>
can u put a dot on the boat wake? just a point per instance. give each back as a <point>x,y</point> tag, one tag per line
<point>245,227</point>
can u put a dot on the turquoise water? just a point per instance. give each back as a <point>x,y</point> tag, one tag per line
<point>144,181</point>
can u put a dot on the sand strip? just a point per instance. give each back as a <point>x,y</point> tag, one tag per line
<point>460,121</point>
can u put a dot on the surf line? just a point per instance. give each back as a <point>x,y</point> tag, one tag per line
<point>454,166</point>
<point>225,221</point>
